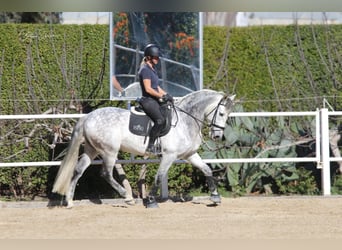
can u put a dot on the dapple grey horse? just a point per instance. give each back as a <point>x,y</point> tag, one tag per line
<point>105,132</point>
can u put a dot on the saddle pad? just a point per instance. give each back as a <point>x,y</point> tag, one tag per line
<point>139,122</point>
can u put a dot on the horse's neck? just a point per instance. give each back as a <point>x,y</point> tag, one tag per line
<point>198,105</point>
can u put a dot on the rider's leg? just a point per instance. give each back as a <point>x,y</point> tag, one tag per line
<point>154,134</point>
<point>152,109</point>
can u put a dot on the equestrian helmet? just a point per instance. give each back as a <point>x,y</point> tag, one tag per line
<point>151,50</point>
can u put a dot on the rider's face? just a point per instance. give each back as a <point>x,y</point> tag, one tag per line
<point>155,59</point>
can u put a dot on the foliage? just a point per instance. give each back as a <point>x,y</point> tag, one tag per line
<point>46,69</point>
<point>23,183</point>
<point>258,137</point>
<point>304,183</point>
<point>53,65</point>
<point>30,17</point>
<point>337,185</point>
<point>179,178</point>
<point>276,68</point>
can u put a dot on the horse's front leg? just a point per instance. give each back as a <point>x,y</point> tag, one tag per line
<point>197,161</point>
<point>165,164</point>
<point>141,181</point>
<point>150,200</point>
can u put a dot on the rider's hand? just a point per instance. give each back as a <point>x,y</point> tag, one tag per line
<point>170,98</point>
<point>167,98</point>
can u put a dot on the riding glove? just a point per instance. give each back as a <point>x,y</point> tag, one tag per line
<point>166,98</point>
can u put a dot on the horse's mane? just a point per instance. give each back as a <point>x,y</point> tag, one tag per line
<point>193,95</point>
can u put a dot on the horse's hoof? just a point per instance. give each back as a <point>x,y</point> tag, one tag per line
<point>130,201</point>
<point>150,203</point>
<point>216,198</point>
<point>70,204</point>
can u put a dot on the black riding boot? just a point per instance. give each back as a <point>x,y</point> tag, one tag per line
<point>151,148</point>
<point>154,133</point>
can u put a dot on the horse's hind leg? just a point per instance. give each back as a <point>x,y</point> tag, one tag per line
<point>122,176</point>
<point>81,166</point>
<point>107,174</point>
<point>141,180</point>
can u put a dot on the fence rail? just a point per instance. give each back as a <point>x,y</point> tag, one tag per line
<point>322,157</point>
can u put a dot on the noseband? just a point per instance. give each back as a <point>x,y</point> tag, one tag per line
<point>215,110</point>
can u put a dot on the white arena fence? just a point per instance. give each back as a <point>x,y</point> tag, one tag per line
<point>322,156</point>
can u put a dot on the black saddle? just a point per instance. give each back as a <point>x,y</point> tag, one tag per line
<point>141,124</point>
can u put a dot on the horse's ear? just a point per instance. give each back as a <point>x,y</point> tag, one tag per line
<point>229,99</point>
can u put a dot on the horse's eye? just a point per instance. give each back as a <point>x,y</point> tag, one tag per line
<point>221,114</point>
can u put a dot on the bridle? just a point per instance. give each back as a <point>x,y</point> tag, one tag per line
<point>223,102</point>
<point>214,110</point>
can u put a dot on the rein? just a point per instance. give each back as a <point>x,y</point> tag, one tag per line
<point>212,123</point>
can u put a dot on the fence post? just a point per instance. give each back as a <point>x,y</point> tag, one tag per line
<point>325,151</point>
<point>164,189</point>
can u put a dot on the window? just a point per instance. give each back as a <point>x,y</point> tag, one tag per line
<point>179,36</point>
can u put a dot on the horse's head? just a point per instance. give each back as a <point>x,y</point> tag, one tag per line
<point>219,115</point>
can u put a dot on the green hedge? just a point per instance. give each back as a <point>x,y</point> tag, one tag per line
<point>49,62</point>
<point>296,64</point>
<point>259,63</point>
<point>46,67</point>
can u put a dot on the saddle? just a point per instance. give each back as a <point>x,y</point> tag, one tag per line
<point>141,124</point>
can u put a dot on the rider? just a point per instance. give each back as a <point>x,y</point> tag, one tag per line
<point>152,94</point>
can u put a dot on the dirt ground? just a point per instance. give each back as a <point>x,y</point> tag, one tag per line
<point>236,218</point>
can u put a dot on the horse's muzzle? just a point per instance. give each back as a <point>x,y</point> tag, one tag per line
<point>216,134</point>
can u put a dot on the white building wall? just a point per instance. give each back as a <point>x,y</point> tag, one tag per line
<point>85,18</point>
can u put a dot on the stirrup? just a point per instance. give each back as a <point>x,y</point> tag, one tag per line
<point>155,150</point>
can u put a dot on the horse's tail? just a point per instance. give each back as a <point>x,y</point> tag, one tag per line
<point>67,167</point>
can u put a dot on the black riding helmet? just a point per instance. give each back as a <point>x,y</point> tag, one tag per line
<point>151,50</point>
